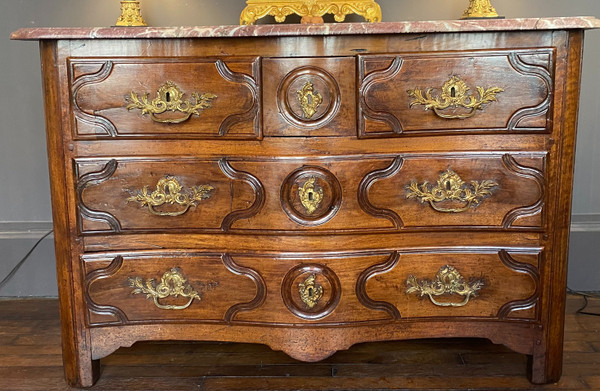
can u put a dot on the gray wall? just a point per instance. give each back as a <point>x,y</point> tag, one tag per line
<point>24,189</point>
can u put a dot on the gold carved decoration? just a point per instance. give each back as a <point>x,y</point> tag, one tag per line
<point>309,100</point>
<point>310,291</point>
<point>480,9</point>
<point>450,187</point>
<point>311,11</point>
<point>311,196</point>
<point>169,191</point>
<point>448,281</point>
<point>131,16</point>
<point>172,284</point>
<point>455,93</point>
<point>170,98</point>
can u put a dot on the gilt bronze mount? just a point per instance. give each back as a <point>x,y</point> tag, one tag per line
<point>311,11</point>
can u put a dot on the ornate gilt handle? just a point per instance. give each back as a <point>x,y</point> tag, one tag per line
<point>169,191</point>
<point>455,93</point>
<point>450,187</point>
<point>172,284</point>
<point>170,98</point>
<point>448,281</point>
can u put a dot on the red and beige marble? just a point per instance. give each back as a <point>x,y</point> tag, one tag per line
<point>279,30</point>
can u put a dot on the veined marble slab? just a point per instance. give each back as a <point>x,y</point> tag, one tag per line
<point>279,30</point>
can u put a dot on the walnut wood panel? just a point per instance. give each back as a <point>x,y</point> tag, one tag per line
<point>332,79</point>
<point>510,285</point>
<point>515,199</point>
<point>102,91</point>
<point>219,284</point>
<point>108,191</point>
<point>523,104</point>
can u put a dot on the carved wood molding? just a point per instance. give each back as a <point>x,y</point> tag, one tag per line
<point>525,268</point>
<point>365,276</point>
<point>259,191</point>
<point>368,81</point>
<point>517,60</point>
<point>365,186</point>
<point>530,173</point>
<point>90,179</point>
<point>251,82</point>
<point>107,310</point>
<point>261,288</point>
<point>94,120</point>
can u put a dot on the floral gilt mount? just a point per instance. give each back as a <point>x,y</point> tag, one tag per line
<point>311,11</point>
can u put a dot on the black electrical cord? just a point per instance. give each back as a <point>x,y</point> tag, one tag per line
<point>22,261</point>
<point>586,296</point>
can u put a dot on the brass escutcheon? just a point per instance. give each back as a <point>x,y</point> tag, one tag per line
<point>450,187</point>
<point>448,281</point>
<point>309,100</point>
<point>169,191</point>
<point>311,195</point>
<point>455,93</point>
<point>170,98</point>
<point>310,291</point>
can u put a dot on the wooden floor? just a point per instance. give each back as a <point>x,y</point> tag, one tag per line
<point>30,359</point>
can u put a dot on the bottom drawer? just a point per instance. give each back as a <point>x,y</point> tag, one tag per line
<point>286,289</point>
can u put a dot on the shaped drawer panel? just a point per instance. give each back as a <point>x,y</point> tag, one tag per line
<point>442,92</point>
<point>157,97</point>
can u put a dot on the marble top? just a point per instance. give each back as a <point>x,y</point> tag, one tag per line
<point>279,30</point>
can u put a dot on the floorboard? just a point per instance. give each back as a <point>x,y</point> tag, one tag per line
<point>30,359</point>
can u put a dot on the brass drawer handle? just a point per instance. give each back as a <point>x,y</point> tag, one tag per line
<point>450,187</point>
<point>169,191</point>
<point>172,284</point>
<point>455,93</point>
<point>170,98</point>
<point>448,281</point>
<point>309,100</point>
<point>310,291</point>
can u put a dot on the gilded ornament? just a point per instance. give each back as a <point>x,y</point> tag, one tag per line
<point>131,15</point>
<point>169,191</point>
<point>170,98</point>
<point>311,195</point>
<point>311,11</point>
<point>309,100</point>
<point>448,281</point>
<point>454,94</point>
<point>172,284</point>
<point>480,9</point>
<point>450,187</point>
<point>310,291</point>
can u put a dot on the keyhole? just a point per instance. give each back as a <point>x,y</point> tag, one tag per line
<point>168,97</point>
<point>310,292</point>
<point>311,196</point>
<point>448,185</point>
<point>453,92</point>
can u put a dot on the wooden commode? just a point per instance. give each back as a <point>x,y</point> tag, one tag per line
<point>312,187</point>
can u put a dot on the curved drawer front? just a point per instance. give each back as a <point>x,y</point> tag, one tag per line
<point>330,195</point>
<point>152,97</point>
<point>155,287</point>
<point>285,289</point>
<point>501,284</point>
<point>491,91</point>
<point>309,96</point>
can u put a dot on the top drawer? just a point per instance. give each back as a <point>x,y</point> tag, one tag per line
<point>447,92</point>
<point>169,98</point>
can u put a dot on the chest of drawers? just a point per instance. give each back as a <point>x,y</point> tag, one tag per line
<point>310,188</point>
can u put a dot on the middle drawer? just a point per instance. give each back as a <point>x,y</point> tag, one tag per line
<point>333,195</point>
